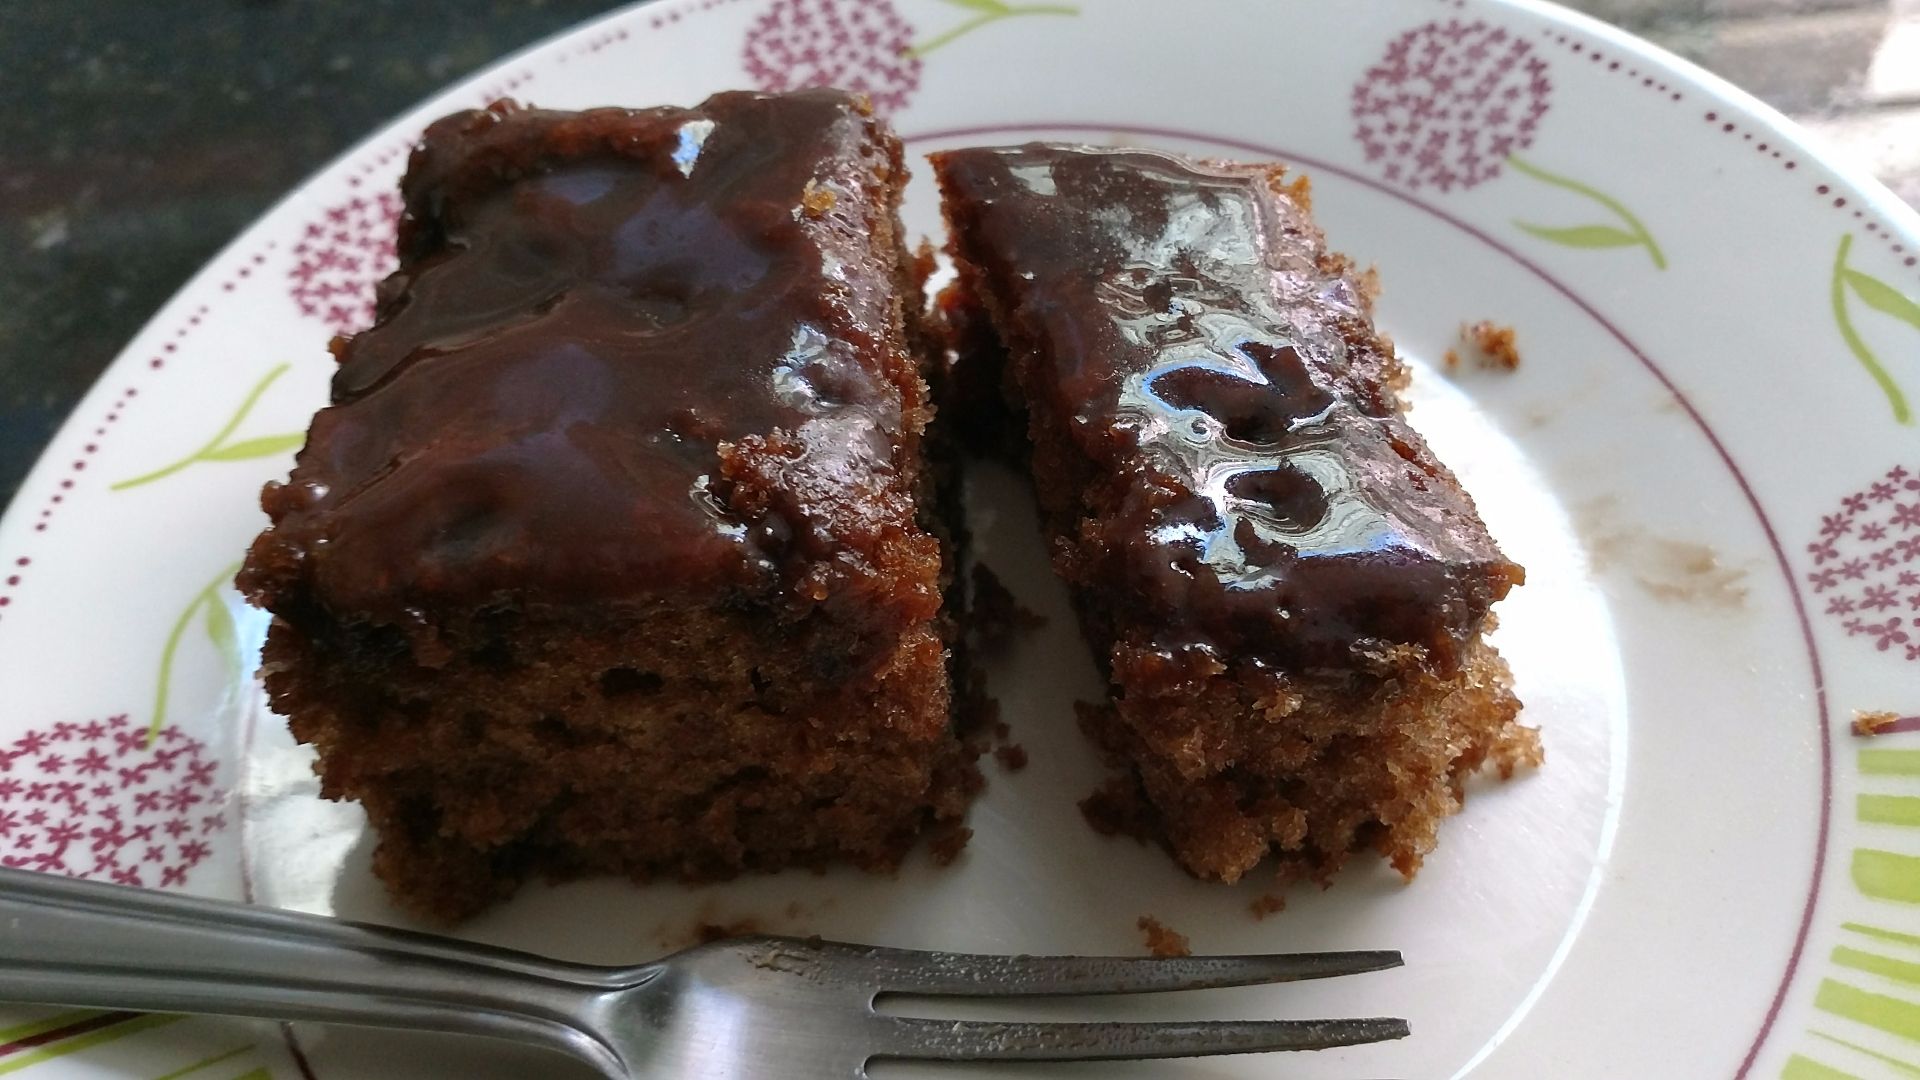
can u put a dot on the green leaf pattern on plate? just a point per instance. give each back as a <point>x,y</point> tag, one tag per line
<point>220,632</point>
<point>264,446</point>
<point>219,449</point>
<point>1629,231</point>
<point>218,1059</point>
<point>990,11</point>
<point>1873,982</point>
<point>1879,296</point>
<point>1585,236</point>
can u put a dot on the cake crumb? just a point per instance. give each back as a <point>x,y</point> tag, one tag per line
<point>816,199</point>
<point>1118,807</point>
<point>1163,940</point>
<point>1267,904</point>
<point>1494,345</point>
<point>1451,360</point>
<point>1114,809</point>
<point>995,617</point>
<point>948,841</point>
<point>707,933</point>
<point>1368,282</point>
<point>1871,722</point>
<point>976,713</point>
<point>924,262</point>
<point>978,718</point>
<point>1518,747</point>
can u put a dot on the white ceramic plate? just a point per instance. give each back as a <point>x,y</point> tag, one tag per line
<point>1707,462</point>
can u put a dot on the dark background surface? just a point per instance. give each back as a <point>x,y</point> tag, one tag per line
<point>138,137</point>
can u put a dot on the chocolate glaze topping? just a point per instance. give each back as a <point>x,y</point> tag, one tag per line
<point>1248,484</point>
<point>628,354</point>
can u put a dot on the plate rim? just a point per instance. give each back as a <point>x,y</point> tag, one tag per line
<point>1901,219</point>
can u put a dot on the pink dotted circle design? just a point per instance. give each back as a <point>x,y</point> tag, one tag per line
<point>377,162</point>
<point>76,469</point>
<point>858,45</point>
<point>597,43</point>
<point>1760,146</point>
<point>1612,64</point>
<point>78,465</point>
<point>1760,143</point>
<point>98,800</point>
<point>15,572</point>
<point>1867,562</point>
<point>1448,102</point>
<point>668,18</point>
<point>1823,191</point>
<point>493,92</point>
<point>341,257</point>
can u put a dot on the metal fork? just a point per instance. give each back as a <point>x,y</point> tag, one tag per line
<point>754,1008</point>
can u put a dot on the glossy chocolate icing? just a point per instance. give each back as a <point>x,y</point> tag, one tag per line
<point>1246,483</point>
<point>628,355</point>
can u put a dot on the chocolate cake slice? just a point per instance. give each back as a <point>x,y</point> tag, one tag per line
<point>1288,592</point>
<point>614,552</point>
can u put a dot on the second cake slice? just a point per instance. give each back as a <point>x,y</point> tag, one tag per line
<point>1285,587</point>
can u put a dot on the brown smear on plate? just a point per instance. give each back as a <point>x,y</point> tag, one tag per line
<point>1676,571</point>
<point>710,922</point>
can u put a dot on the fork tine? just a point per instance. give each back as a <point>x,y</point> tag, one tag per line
<point>900,971</point>
<point>915,1038</point>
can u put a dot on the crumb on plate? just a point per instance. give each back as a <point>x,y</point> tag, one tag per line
<point>1494,344</point>
<point>1870,722</point>
<point>708,932</point>
<point>1267,904</point>
<point>996,616</point>
<point>1163,940</point>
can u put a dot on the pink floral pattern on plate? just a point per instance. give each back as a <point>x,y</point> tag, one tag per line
<point>1867,563</point>
<point>100,800</point>
<point>341,257</point>
<point>859,45</point>
<point>1449,102</point>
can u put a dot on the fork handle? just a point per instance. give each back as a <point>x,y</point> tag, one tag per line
<point>89,945</point>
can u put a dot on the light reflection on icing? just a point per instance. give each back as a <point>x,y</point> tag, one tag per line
<point>793,385</point>
<point>1167,298</point>
<point>1035,178</point>
<point>693,135</point>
